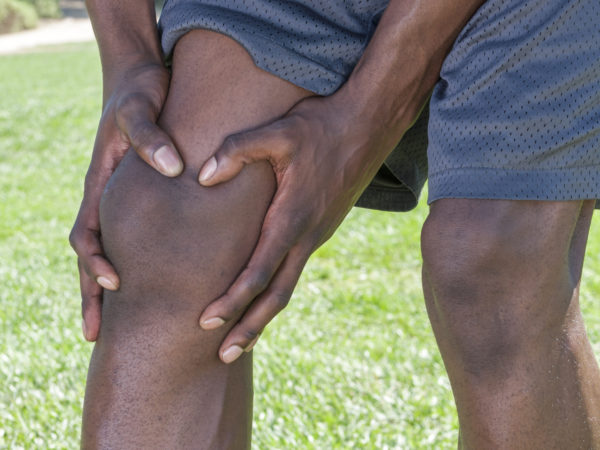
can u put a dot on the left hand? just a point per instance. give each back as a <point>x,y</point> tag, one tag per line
<point>128,120</point>
<point>324,155</point>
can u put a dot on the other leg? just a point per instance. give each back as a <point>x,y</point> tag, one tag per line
<point>501,281</point>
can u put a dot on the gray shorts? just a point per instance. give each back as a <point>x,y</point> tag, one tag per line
<point>515,114</point>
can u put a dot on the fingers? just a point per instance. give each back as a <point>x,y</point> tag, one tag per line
<point>91,305</point>
<point>136,117</point>
<point>245,334</point>
<point>273,245</point>
<point>95,273</point>
<point>86,243</point>
<point>266,143</point>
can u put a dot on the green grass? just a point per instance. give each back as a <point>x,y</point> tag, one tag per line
<point>351,363</point>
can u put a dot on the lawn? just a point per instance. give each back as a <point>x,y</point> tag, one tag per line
<point>351,363</point>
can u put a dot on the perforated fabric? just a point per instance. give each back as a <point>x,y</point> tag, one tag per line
<point>515,115</point>
<point>313,44</point>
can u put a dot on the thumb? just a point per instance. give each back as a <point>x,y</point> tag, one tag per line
<point>155,147</point>
<point>266,143</point>
<point>137,120</point>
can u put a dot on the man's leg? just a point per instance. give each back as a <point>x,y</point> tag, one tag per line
<point>501,285</point>
<point>155,380</point>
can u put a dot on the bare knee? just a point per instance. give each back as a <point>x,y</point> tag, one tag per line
<point>176,247</point>
<point>491,240</point>
<point>497,276</point>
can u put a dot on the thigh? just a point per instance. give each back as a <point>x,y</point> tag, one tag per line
<point>468,231</point>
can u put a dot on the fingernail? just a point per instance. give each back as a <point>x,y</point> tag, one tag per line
<point>167,161</point>
<point>208,170</point>
<point>252,344</point>
<point>212,323</point>
<point>106,283</point>
<point>232,353</point>
<point>84,329</point>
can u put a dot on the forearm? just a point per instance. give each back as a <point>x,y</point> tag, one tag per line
<point>402,62</point>
<point>127,36</point>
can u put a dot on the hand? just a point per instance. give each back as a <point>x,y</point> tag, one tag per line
<point>323,156</point>
<point>128,120</point>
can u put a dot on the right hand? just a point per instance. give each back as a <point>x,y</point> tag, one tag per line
<point>128,120</point>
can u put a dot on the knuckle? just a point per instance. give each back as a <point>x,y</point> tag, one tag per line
<point>129,103</point>
<point>296,128</point>
<point>313,240</point>
<point>283,240</point>
<point>299,222</point>
<point>89,243</point>
<point>284,149</point>
<point>76,239</point>
<point>73,239</point>
<point>280,299</point>
<point>230,144</point>
<point>285,133</point>
<point>257,281</point>
<point>85,302</point>
<point>141,133</point>
<point>230,309</point>
<point>91,183</point>
<point>235,147</point>
<point>250,334</point>
<point>296,225</point>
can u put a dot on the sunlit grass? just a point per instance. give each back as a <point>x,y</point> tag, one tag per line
<point>351,363</point>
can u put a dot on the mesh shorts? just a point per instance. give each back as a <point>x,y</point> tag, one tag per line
<point>515,114</point>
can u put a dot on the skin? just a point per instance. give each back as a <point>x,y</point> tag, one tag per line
<point>155,380</point>
<point>135,85</point>
<point>349,133</point>
<point>501,282</point>
<point>389,86</point>
<point>547,400</point>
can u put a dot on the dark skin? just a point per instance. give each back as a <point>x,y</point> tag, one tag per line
<point>135,86</point>
<point>155,379</point>
<point>530,321</point>
<point>501,284</point>
<point>390,91</point>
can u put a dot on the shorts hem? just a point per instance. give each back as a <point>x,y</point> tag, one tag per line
<point>565,184</point>
<point>387,199</point>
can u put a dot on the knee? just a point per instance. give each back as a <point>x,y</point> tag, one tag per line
<point>468,245</point>
<point>176,246</point>
<point>496,278</point>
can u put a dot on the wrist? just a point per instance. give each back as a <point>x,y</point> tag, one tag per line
<point>389,103</point>
<point>127,37</point>
<point>383,111</point>
<point>399,68</point>
<point>119,76</point>
<point>392,80</point>
<point>126,49</point>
